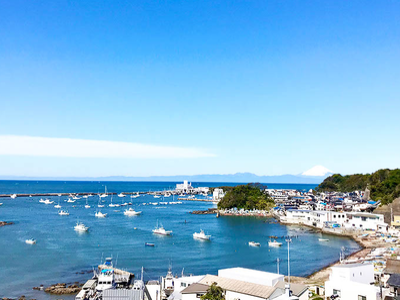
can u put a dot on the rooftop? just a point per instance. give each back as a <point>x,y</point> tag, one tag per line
<point>195,288</point>
<point>242,287</point>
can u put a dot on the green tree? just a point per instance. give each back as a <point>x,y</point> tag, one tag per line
<point>214,292</point>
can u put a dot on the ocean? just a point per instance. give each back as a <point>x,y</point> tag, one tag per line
<point>63,255</point>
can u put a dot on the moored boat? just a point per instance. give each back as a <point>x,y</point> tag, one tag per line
<point>274,243</point>
<point>201,235</point>
<point>254,244</point>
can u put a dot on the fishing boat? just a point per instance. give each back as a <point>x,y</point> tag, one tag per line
<point>63,213</point>
<point>323,240</point>
<point>160,230</point>
<point>201,235</point>
<point>71,201</point>
<point>135,195</point>
<point>149,244</point>
<point>13,196</point>
<point>254,244</point>
<point>80,227</point>
<point>274,243</point>
<point>57,205</point>
<point>99,214</point>
<point>121,195</point>
<point>30,241</point>
<point>47,201</point>
<point>131,212</point>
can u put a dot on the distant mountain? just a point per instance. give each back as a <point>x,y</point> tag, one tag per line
<point>318,171</point>
<point>238,177</point>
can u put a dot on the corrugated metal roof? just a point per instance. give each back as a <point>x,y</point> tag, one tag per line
<point>195,288</point>
<point>122,294</point>
<point>247,288</point>
<point>297,289</point>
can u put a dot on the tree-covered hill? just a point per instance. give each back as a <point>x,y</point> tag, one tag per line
<point>250,196</point>
<point>384,184</point>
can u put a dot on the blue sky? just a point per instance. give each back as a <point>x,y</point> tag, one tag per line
<point>269,87</point>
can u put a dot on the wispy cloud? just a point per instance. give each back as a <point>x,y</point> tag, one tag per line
<point>65,147</point>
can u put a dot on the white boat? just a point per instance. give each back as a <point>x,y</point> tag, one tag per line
<point>160,230</point>
<point>135,195</point>
<point>85,196</point>
<point>274,243</point>
<point>111,204</point>
<point>105,193</point>
<point>47,201</point>
<point>106,279</point>
<point>30,241</point>
<point>121,195</point>
<point>13,196</point>
<point>201,235</point>
<point>41,200</point>
<point>76,197</point>
<point>99,214</point>
<point>323,240</point>
<point>57,206</point>
<point>87,205</point>
<point>80,227</point>
<point>167,195</point>
<point>63,213</point>
<point>124,204</point>
<point>131,212</point>
<point>1,204</point>
<point>70,200</point>
<point>254,244</point>
<point>157,196</point>
<point>100,205</point>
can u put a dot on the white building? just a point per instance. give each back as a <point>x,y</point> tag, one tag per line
<point>184,187</point>
<point>218,194</point>
<point>352,282</point>
<point>249,275</point>
<point>246,284</point>
<point>366,221</point>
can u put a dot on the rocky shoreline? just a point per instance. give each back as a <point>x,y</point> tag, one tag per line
<point>210,211</point>
<point>63,289</point>
<point>4,223</point>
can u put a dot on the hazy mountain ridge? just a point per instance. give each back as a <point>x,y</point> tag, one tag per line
<point>237,177</point>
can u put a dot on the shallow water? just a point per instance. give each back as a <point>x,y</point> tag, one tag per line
<point>61,254</point>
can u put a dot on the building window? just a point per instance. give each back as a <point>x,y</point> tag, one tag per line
<point>336,292</point>
<point>198,295</point>
<point>362,297</point>
<point>183,284</point>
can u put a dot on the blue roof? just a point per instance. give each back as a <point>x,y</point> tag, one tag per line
<point>371,202</point>
<point>107,270</point>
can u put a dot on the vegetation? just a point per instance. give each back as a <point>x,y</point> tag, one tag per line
<point>249,196</point>
<point>214,292</point>
<point>384,184</point>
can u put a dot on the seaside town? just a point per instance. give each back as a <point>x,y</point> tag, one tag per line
<point>370,273</point>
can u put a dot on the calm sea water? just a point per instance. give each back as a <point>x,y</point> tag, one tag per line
<point>61,254</point>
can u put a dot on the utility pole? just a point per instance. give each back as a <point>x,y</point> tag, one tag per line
<point>277,260</point>
<point>288,257</point>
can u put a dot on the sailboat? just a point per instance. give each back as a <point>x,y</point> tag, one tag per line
<point>100,205</point>
<point>58,205</point>
<point>111,204</point>
<point>87,205</point>
<point>121,195</point>
<point>105,193</point>
<point>99,214</point>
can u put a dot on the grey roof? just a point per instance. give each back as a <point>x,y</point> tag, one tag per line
<point>195,288</point>
<point>297,289</point>
<point>394,280</point>
<point>351,265</point>
<point>122,294</point>
<point>242,287</point>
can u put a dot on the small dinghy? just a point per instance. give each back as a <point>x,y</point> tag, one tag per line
<point>149,244</point>
<point>30,241</point>
<point>254,244</point>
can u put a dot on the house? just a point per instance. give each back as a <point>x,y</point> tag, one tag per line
<point>394,284</point>
<point>366,221</point>
<point>253,276</point>
<point>396,221</point>
<point>298,290</point>
<point>218,194</point>
<point>352,281</point>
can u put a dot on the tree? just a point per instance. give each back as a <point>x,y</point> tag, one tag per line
<point>214,292</point>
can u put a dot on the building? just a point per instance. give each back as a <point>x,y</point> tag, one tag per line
<point>366,221</point>
<point>218,194</point>
<point>353,281</point>
<point>246,284</point>
<point>396,221</point>
<point>184,187</point>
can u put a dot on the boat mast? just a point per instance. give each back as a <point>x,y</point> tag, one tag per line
<point>288,256</point>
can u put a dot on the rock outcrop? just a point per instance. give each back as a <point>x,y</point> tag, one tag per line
<point>63,289</point>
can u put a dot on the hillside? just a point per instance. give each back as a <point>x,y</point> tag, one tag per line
<point>250,196</point>
<point>384,184</point>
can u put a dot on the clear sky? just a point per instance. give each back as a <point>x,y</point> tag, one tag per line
<point>198,87</point>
